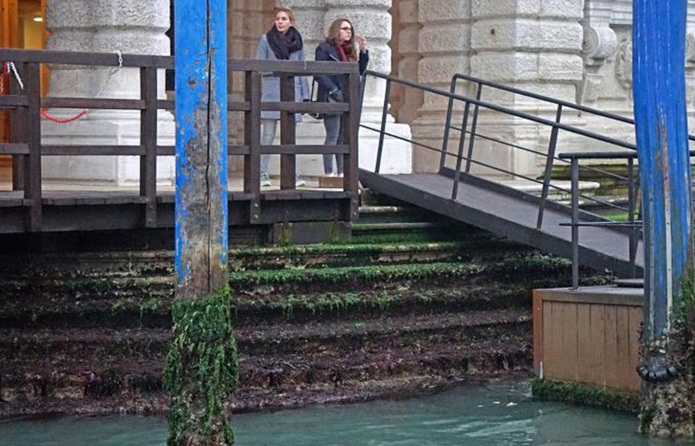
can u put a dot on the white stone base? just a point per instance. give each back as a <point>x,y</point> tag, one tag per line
<point>104,130</point>
<point>397,156</point>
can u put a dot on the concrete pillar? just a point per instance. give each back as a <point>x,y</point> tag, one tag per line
<point>534,45</point>
<point>126,26</point>
<point>309,17</point>
<point>444,45</point>
<point>405,59</point>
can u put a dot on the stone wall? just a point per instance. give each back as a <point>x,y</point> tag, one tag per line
<point>576,50</point>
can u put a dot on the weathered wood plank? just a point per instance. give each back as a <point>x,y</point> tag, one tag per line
<point>288,134</point>
<point>584,345</point>
<point>611,346</point>
<point>32,173</point>
<point>148,139</point>
<point>538,329</point>
<point>552,340</point>
<point>635,317</point>
<point>625,368</point>
<point>596,359</point>
<point>569,340</point>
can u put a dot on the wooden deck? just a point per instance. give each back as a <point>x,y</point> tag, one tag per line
<point>83,207</point>
<point>30,205</point>
<point>513,214</point>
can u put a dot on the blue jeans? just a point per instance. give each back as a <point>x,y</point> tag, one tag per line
<point>267,136</point>
<point>333,136</point>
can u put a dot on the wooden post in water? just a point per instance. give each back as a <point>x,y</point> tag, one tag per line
<point>668,402</point>
<point>201,368</point>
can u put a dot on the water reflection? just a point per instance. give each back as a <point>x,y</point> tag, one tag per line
<point>500,414</point>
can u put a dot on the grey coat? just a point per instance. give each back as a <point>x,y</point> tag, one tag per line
<point>270,85</point>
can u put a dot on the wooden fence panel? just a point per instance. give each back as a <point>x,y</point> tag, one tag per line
<point>588,338</point>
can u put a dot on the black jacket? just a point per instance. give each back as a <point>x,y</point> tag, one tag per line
<point>328,52</point>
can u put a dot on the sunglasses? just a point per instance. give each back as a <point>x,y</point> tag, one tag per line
<point>346,28</point>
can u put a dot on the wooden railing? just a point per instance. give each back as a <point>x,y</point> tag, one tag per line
<point>26,104</point>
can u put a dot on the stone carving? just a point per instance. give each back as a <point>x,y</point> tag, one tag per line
<point>623,64</point>
<point>690,49</point>
<point>599,42</point>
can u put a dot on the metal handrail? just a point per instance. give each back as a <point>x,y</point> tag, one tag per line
<point>632,223</point>
<point>475,104</point>
<point>470,107</point>
<point>540,97</point>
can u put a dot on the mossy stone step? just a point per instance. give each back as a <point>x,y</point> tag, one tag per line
<point>43,268</point>
<point>98,348</point>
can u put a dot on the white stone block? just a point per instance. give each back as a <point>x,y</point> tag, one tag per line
<point>408,12</point>
<point>566,9</point>
<point>445,38</point>
<point>523,34</point>
<point>357,4</point>
<point>527,67</point>
<point>408,40</point>
<point>433,11</point>
<point>438,70</point>
<point>560,67</point>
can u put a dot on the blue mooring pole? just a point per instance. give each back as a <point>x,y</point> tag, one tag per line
<point>201,146</point>
<point>664,163</point>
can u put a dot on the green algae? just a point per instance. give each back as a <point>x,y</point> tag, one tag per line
<point>201,371</point>
<point>585,395</point>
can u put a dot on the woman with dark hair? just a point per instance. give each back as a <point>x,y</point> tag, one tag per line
<point>282,42</point>
<point>341,45</point>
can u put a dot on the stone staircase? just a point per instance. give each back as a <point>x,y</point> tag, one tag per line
<point>418,306</point>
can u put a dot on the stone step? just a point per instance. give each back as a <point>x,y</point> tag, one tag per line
<point>395,214</point>
<point>291,295</point>
<point>262,379</point>
<point>444,359</point>
<point>87,349</point>
<point>346,337</point>
<point>45,268</point>
<point>251,399</point>
<point>271,307</point>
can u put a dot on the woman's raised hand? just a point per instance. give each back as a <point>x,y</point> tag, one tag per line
<point>362,42</point>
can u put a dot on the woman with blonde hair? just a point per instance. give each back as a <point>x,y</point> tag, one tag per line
<point>342,45</point>
<point>281,42</point>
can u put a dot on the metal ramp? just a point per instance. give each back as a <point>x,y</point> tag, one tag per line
<point>507,212</point>
<point>472,149</point>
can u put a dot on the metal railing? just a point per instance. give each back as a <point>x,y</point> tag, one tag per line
<point>471,108</point>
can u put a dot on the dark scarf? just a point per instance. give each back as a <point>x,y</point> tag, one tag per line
<point>342,51</point>
<point>284,44</point>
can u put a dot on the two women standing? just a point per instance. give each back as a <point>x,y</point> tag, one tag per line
<point>284,42</point>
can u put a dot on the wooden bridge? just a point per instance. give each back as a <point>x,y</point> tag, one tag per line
<point>29,205</point>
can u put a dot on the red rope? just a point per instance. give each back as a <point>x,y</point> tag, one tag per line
<point>45,114</point>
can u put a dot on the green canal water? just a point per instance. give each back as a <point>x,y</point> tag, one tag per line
<point>499,414</point>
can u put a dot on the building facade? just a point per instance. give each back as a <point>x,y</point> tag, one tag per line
<point>575,50</point>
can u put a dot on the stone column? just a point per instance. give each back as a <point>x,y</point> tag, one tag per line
<point>309,17</point>
<point>444,45</point>
<point>126,26</point>
<point>534,46</point>
<point>247,20</point>
<point>405,59</point>
<point>372,19</point>
<point>690,64</point>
